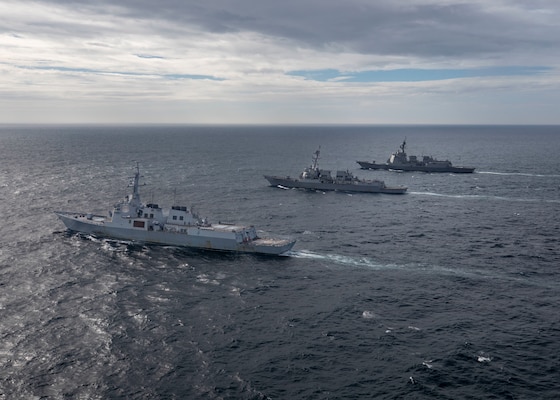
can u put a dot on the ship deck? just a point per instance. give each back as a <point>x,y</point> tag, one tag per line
<point>89,218</point>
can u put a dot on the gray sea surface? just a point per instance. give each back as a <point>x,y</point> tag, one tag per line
<point>448,292</point>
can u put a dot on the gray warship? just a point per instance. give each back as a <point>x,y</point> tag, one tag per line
<point>399,161</point>
<point>315,178</point>
<point>132,220</point>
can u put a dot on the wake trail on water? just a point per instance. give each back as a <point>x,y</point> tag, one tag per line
<point>365,262</point>
<point>519,174</point>
<point>486,197</point>
<point>341,259</point>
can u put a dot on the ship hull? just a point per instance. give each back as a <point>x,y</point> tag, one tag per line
<point>327,186</point>
<point>194,237</point>
<point>419,168</point>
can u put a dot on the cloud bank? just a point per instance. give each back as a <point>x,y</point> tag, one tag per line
<point>253,61</point>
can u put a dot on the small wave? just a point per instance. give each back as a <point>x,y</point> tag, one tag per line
<point>428,364</point>
<point>91,238</point>
<point>413,328</point>
<point>482,358</point>
<point>205,279</point>
<point>368,314</point>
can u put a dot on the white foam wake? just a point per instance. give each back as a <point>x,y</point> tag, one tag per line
<point>519,174</point>
<point>486,197</point>
<point>467,272</point>
<point>342,260</point>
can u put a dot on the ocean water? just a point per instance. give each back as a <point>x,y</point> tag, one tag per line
<point>448,292</point>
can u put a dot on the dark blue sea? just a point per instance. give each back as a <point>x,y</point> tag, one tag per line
<point>448,292</point>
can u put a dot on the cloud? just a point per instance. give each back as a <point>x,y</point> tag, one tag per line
<point>415,75</point>
<point>124,73</point>
<point>284,61</point>
<point>419,28</point>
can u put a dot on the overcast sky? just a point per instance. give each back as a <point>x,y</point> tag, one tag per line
<point>280,61</point>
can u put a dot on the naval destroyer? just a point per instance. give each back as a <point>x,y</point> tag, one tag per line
<point>132,220</point>
<point>399,161</point>
<point>315,178</point>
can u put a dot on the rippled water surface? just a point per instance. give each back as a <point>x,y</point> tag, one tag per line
<point>450,291</point>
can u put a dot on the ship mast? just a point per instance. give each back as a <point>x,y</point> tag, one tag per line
<point>315,158</point>
<point>403,145</point>
<point>135,201</point>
